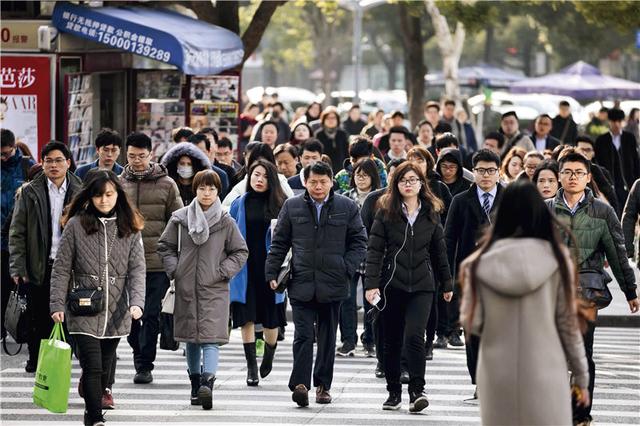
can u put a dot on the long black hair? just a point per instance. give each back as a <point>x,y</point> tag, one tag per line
<point>259,151</point>
<point>522,213</point>
<point>277,196</point>
<point>128,219</point>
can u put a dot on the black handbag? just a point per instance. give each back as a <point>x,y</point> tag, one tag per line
<point>86,297</point>
<point>167,341</point>
<point>15,320</point>
<point>284,276</point>
<point>593,288</point>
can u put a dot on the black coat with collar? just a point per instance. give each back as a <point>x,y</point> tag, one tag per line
<point>465,223</point>
<point>326,253</point>
<point>624,165</point>
<point>550,142</point>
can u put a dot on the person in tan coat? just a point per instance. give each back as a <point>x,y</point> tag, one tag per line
<point>202,249</point>
<point>524,312</point>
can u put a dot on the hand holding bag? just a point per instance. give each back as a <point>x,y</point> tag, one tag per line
<point>169,299</point>
<point>53,375</point>
<point>284,276</point>
<point>88,299</point>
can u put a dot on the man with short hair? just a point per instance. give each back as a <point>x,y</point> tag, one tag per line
<point>14,172</point>
<point>596,233</point>
<point>277,115</point>
<point>360,147</point>
<point>156,196</point>
<point>108,144</point>
<point>457,128</point>
<point>470,213</point>
<point>354,123</point>
<point>203,141</point>
<point>617,151</point>
<point>425,133</point>
<point>34,238</point>
<point>563,127</point>
<point>397,144</point>
<point>311,152</point>
<point>541,136</point>
<point>325,232</point>
<point>224,154</point>
<point>493,141</point>
<point>510,128</point>
<point>432,113</point>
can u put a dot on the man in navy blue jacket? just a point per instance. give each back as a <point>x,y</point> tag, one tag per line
<point>108,144</point>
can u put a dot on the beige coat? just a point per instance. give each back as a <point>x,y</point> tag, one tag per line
<point>527,335</point>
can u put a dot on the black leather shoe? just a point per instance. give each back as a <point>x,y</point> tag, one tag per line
<point>404,377</point>
<point>454,340</point>
<point>143,377</point>
<point>379,371</point>
<point>417,402</point>
<point>252,364</point>
<point>393,402</point>
<point>440,343</point>
<point>205,392</point>
<point>267,359</point>
<point>30,366</point>
<point>195,385</point>
<point>301,396</point>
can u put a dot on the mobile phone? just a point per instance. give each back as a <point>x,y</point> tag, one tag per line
<point>377,299</point>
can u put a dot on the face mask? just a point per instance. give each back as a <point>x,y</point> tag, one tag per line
<point>185,172</point>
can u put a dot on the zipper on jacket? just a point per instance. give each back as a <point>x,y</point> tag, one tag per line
<point>411,261</point>
<point>106,278</point>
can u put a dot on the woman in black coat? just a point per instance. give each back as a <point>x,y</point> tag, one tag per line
<point>333,138</point>
<point>406,255</point>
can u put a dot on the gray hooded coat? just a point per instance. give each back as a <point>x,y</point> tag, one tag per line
<point>202,273</point>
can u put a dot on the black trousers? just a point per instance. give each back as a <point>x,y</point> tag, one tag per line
<point>96,359</point>
<point>404,320</point>
<point>449,321</point>
<point>433,319</point>
<point>581,414</point>
<point>143,338</point>
<point>472,347</point>
<point>305,314</point>
<point>40,322</point>
<point>6,285</point>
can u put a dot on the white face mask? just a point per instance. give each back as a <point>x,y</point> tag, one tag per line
<point>185,172</point>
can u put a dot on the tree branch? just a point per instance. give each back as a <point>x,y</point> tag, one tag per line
<point>253,34</point>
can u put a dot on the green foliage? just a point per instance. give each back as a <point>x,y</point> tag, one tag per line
<point>623,16</point>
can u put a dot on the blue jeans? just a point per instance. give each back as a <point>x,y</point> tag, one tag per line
<point>143,339</point>
<point>211,352</point>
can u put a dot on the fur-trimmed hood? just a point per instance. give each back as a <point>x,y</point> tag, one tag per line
<point>198,158</point>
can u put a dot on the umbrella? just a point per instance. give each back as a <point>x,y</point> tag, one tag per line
<point>580,81</point>
<point>478,74</point>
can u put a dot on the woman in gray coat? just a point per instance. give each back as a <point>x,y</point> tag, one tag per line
<point>101,248</point>
<point>518,296</point>
<point>212,251</point>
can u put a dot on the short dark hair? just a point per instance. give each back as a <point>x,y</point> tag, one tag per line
<point>397,113</point>
<point>286,147</point>
<point>450,102</point>
<point>354,106</point>
<point>267,123</point>
<point>108,137</point>
<point>206,177</point>
<point>443,127</point>
<point>615,114</point>
<point>278,104</point>
<point>564,104</point>
<point>138,140</point>
<point>509,114</point>
<point>432,104</point>
<point>182,133</point>
<point>485,155</point>
<point>7,137</point>
<point>603,109</point>
<point>544,116</point>
<point>585,139</point>
<point>360,146</point>
<point>224,143</point>
<point>446,140</point>
<point>313,145</point>
<point>53,146</point>
<point>319,168</point>
<point>210,131</point>
<point>497,136</point>
<point>550,164</point>
<point>422,123</point>
<point>200,137</point>
<point>394,163</point>
<point>574,157</point>
<point>399,129</point>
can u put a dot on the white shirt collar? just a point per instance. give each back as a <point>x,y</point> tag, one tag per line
<point>53,187</point>
<point>481,192</point>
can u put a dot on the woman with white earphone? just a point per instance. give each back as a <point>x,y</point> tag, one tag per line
<point>405,256</point>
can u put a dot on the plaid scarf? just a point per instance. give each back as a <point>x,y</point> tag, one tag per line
<point>143,174</point>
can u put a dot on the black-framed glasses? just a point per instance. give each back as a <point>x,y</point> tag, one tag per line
<point>411,181</point>
<point>571,173</point>
<point>482,171</point>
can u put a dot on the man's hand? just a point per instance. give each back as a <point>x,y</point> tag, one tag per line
<point>447,296</point>
<point>57,316</point>
<point>634,305</point>
<point>136,312</point>
<point>371,295</point>
<point>17,279</point>
<point>273,284</point>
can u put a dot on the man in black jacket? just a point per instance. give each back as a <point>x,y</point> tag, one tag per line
<point>325,232</point>
<point>617,151</point>
<point>469,214</point>
<point>541,136</point>
<point>564,128</point>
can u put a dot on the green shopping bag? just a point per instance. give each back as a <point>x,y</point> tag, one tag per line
<point>53,375</point>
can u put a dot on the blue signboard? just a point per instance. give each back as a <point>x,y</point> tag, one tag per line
<point>196,47</point>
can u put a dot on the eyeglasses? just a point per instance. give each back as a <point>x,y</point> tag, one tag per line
<point>449,166</point>
<point>571,173</point>
<point>7,154</point>
<point>362,176</point>
<point>140,157</point>
<point>482,171</point>
<point>411,181</point>
<point>56,161</point>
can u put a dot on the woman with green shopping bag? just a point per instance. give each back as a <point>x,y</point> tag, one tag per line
<point>98,280</point>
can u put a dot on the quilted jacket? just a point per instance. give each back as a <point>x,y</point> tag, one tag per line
<point>83,259</point>
<point>597,232</point>
<point>157,197</point>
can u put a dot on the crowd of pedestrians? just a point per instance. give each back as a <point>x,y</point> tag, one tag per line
<point>492,245</point>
